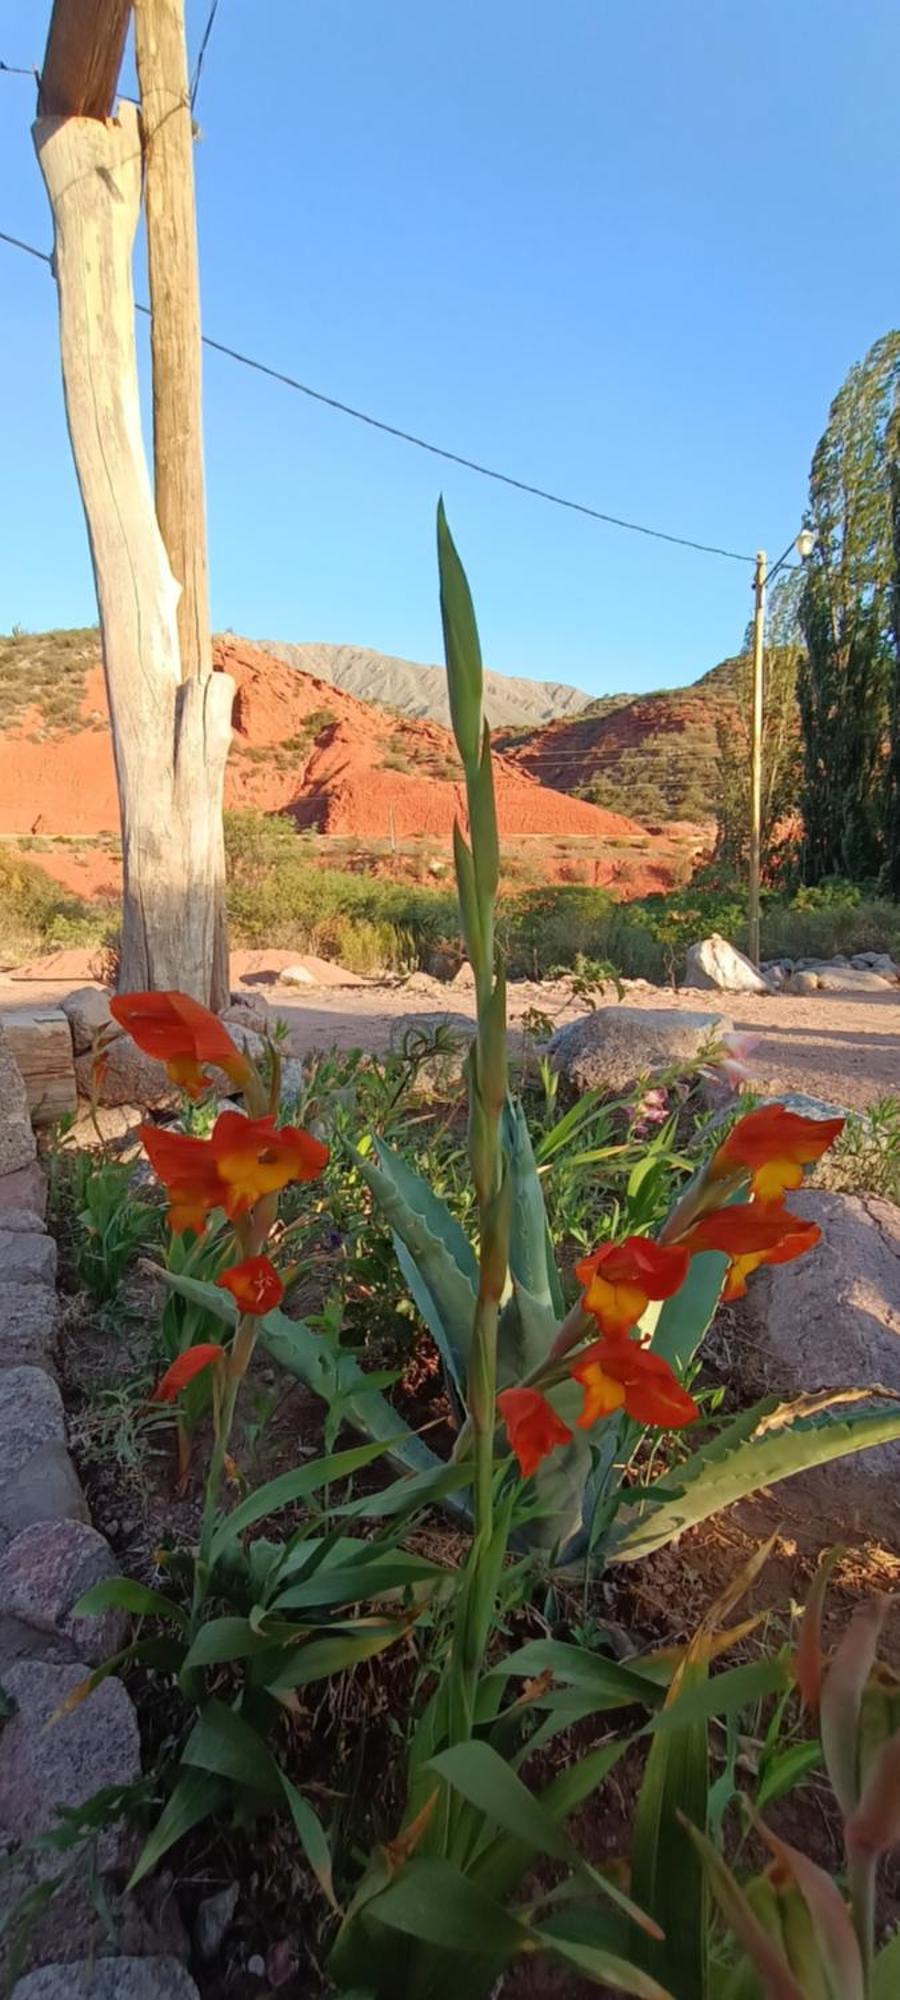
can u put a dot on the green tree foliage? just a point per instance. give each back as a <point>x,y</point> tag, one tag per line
<point>846,614</point>
<point>781,749</point>
<point>892,842</point>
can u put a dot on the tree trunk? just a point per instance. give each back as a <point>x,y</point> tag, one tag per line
<point>170,737</point>
<point>167,132</point>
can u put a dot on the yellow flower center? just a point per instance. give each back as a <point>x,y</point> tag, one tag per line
<point>602,1394</point>
<point>774,1179</point>
<point>617,1307</point>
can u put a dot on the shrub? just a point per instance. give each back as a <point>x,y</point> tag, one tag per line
<point>37,914</point>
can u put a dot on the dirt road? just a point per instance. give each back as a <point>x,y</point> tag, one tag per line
<point>846,1050</point>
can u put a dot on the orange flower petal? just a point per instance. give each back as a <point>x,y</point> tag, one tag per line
<point>254,1284</point>
<point>775,1145</point>
<point>180,1033</point>
<point>183,1369</point>
<point>620,1278</point>
<point>651,1393</point>
<point>532,1427</point>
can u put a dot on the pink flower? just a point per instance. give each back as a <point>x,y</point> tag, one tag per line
<point>652,1110</point>
<point>733,1066</point>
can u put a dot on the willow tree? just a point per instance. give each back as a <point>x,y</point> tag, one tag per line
<point>844,684</point>
<point>170,714</point>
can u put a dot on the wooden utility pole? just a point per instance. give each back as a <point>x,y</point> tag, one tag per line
<point>167,133</point>
<point>170,734</point>
<point>756,737</point>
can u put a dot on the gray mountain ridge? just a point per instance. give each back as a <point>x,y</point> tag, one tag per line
<point>510,702</point>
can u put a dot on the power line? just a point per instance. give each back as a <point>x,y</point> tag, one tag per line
<point>435,450</point>
<point>195,79</point>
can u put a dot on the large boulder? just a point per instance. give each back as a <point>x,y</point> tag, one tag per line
<point>614,1046</point>
<point>831,1320</point>
<point>714,964</point>
<point>48,1761</point>
<point>127,1077</point>
<point>88,1015</point>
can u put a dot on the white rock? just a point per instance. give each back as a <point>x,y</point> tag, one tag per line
<point>714,964</point>
<point>296,975</point>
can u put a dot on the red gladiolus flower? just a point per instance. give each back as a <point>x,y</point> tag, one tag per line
<point>243,1160</point>
<point>775,1144</point>
<point>254,1284</point>
<point>182,1034</point>
<point>751,1234</point>
<point>206,1354</point>
<point>621,1278</point>
<point>620,1374</point>
<point>532,1427</point>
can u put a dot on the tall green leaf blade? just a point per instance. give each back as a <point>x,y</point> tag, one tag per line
<point>712,1480</point>
<point>125,1595</point>
<point>433,1901</point>
<point>196,1796</point>
<point>418,1489</point>
<point>604,1968</point>
<point>289,1487</point>
<point>223,1743</point>
<point>462,649</point>
<point>667,1876</point>
<point>527,1330</point>
<point>320,1658</point>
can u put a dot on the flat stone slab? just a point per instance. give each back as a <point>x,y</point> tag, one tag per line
<point>45,1487</point>
<point>109,1979</point>
<point>28,1322</point>
<point>46,1763</point>
<point>43,1573</point>
<point>31,1415</point>
<point>27,1257</point>
<point>24,1189</point>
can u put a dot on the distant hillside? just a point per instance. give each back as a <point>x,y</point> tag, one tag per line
<point>422,691</point>
<point>653,755</point>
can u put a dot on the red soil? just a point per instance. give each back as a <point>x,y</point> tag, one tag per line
<point>336,764</point>
<point>334,778</point>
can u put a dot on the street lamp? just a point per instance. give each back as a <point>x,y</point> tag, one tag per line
<point>804,543</point>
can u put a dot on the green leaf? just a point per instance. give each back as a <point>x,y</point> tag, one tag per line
<point>487,1782</point>
<point>196,1796</point>
<point>607,1683</point>
<point>122,1593</point>
<point>224,1743</point>
<point>723,1694</point>
<point>884,1982</point>
<point>439,1266</point>
<point>529,1321</point>
<point>605,1968</point>
<point>432,1900</point>
<point>462,649</point>
<point>686,1316</point>
<point>332,1655</point>
<point>354,1582</point>
<point>406,1496</point>
<point>289,1487</point>
<point>777,1979</point>
<point>223,1639</point>
<point>211,1297</point>
<point>717,1476</point>
<point>668,1879</point>
<point>783,1772</point>
<point>337,1377</point>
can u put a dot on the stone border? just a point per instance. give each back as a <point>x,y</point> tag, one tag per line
<point>49,1555</point>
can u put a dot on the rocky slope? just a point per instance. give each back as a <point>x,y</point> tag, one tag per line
<point>510,702</point>
<point>301,746</point>
<point>652,755</point>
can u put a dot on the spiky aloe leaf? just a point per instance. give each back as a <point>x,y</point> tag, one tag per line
<point>439,1263</point>
<point>735,1465</point>
<point>530,1317</point>
<point>683,1320</point>
<point>338,1379</point>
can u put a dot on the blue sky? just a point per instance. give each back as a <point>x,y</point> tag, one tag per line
<point>627,252</point>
